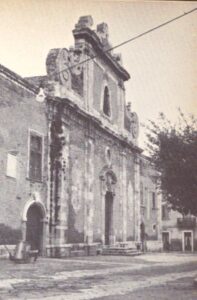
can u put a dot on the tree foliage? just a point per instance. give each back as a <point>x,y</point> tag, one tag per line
<point>173,149</point>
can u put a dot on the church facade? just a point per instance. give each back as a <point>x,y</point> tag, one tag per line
<point>73,173</point>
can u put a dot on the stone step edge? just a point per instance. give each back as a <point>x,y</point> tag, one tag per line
<point>122,254</point>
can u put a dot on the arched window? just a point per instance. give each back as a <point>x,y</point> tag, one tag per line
<point>106,102</point>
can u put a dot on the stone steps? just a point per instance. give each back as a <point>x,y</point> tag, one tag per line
<point>120,251</point>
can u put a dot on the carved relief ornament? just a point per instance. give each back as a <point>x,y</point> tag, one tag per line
<point>109,179</point>
<point>63,64</point>
<point>134,125</point>
<point>132,122</point>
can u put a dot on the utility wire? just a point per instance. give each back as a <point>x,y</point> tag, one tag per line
<point>128,41</point>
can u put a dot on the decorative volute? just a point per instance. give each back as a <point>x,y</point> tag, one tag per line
<point>65,67</point>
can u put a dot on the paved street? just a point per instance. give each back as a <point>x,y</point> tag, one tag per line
<point>148,277</point>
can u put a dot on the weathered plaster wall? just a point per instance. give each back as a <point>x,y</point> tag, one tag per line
<point>149,214</point>
<point>104,76</point>
<point>19,113</point>
<point>88,147</point>
<point>130,197</point>
<point>76,181</point>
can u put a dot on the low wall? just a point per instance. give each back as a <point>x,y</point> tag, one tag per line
<point>154,246</point>
<point>72,250</point>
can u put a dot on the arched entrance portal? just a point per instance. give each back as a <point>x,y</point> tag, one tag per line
<point>108,216</point>
<point>34,227</point>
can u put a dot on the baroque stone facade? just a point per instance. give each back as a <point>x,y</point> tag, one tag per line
<point>79,171</point>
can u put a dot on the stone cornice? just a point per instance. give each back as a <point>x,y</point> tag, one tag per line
<point>97,122</point>
<point>90,36</point>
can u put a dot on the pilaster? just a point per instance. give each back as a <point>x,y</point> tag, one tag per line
<point>89,191</point>
<point>159,215</point>
<point>124,197</point>
<point>137,198</point>
<point>63,196</point>
<point>121,100</point>
<point>88,84</point>
<point>103,193</point>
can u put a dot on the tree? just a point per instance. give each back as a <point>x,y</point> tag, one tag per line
<point>173,149</point>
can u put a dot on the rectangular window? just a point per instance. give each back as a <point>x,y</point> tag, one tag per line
<point>11,165</point>
<point>163,212</point>
<point>153,200</point>
<point>35,157</point>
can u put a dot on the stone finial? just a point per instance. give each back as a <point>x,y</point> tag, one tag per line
<point>84,22</point>
<point>102,32</point>
<point>103,28</point>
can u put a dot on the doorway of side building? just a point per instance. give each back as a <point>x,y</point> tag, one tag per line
<point>166,240</point>
<point>108,217</point>
<point>143,236</point>
<point>187,241</point>
<point>34,229</point>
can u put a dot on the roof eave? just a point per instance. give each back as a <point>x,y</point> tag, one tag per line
<point>17,78</point>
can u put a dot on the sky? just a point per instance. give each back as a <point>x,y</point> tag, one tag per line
<point>162,64</point>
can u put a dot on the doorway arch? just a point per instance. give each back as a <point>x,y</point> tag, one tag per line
<point>143,236</point>
<point>108,217</point>
<point>34,227</point>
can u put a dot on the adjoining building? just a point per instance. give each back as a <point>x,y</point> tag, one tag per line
<point>23,156</point>
<point>150,205</point>
<point>179,233</point>
<point>72,173</point>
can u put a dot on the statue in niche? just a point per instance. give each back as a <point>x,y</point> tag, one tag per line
<point>134,125</point>
<point>131,121</point>
<point>110,181</point>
